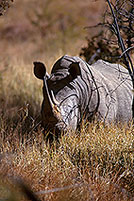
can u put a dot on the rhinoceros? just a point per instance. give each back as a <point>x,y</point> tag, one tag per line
<point>76,90</point>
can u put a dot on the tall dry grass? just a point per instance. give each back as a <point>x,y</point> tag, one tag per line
<point>78,168</point>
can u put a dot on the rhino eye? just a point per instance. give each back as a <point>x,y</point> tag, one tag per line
<point>59,74</point>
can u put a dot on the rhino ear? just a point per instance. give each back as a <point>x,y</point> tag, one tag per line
<point>74,69</point>
<point>39,70</point>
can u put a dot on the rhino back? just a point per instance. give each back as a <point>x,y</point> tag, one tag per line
<point>115,90</point>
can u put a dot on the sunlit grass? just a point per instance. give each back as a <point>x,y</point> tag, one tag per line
<point>99,159</point>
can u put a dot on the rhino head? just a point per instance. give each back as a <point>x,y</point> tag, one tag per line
<point>60,106</point>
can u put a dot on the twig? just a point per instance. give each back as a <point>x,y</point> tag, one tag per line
<point>120,40</point>
<point>130,48</point>
<point>53,190</point>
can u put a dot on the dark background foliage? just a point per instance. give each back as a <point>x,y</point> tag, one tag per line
<point>104,44</point>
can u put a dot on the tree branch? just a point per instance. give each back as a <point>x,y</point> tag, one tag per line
<point>126,55</point>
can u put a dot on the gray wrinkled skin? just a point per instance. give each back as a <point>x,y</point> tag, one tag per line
<point>102,90</point>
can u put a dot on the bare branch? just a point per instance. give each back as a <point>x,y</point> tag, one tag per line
<point>121,43</point>
<point>127,50</point>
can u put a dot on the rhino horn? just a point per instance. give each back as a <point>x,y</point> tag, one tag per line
<point>54,99</point>
<point>51,102</point>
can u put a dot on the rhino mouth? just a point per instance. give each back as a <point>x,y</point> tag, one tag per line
<point>51,126</point>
